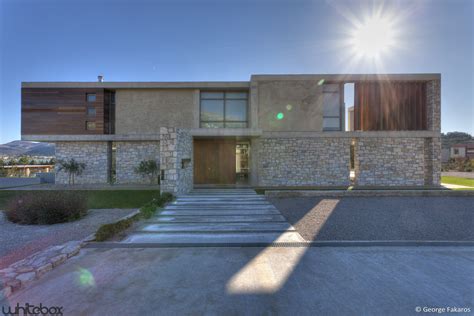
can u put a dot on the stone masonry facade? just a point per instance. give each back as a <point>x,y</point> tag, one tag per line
<point>129,155</point>
<point>304,161</point>
<point>389,161</point>
<point>93,154</point>
<point>433,105</point>
<point>176,151</point>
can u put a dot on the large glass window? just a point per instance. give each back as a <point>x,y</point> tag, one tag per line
<point>224,109</point>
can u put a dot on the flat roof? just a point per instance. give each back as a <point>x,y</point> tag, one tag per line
<point>232,84</point>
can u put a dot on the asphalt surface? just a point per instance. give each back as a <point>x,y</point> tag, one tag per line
<point>257,281</point>
<point>380,218</point>
<point>20,241</point>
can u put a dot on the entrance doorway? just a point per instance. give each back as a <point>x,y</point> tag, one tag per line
<point>221,162</point>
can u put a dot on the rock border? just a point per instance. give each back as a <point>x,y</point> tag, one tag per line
<point>33,267</point>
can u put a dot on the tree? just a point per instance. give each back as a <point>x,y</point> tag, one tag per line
<point>23,160</point>
<point>148,168</point>
<point>72,167</point>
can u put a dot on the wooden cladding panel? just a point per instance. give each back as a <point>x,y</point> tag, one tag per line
<point>60,111</point>
<point>214,161</point>
<point>390,106</point>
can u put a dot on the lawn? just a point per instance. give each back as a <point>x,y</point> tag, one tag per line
<point>459,181</point>
<point>100,198</point>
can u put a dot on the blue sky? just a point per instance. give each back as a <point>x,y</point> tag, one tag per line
<point>185,40</point>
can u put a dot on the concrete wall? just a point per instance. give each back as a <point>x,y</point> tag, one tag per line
<point>144,111</point>
<point>302,161</point>
<point>94,154</point>
<point>390,161</point>
<point>129,155</point>
<point>301,102</point>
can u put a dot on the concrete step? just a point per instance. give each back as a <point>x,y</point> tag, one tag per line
<point>216,218</point>
<point>210,238</point>
<point>220,206</point>
<point>207,203</point>
<point>216,227</point>
<point>220,198</point>
<point>220,212</point>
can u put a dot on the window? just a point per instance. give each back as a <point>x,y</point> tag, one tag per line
<point>90,126</point>
<point>223,109</point>
<point>91,111</point>
<point>456,151</point>
<point>331,108</point>
<point>91,97</point>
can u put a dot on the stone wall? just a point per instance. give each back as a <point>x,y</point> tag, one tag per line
<point>129,155</point>
<point>432,155</point>
<point>176,145</point>
<point>94,154</point>
<point>303,161</point>
<point>389,161</point>
<point>433,105</point>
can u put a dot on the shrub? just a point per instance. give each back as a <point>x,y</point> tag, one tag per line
<point>150,169</point>
<point>107,231</point>
<point>166,197</point>
<point>46,207</point>
<point>72,168</point>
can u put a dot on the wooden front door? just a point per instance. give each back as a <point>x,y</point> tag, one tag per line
<point>214,161</point>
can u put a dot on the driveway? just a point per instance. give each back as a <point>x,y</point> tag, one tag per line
<point>257,281</point>
<point>380,218</point>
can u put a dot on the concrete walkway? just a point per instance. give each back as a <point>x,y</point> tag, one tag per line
<point>258,281</point>
<point>210,216</point>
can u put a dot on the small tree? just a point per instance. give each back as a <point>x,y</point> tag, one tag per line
<point>72,167</point>
<point>150,169</point>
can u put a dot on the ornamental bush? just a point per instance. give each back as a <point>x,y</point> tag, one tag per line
<point>46,207</point>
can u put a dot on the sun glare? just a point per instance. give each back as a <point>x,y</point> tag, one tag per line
<point>373,37</point>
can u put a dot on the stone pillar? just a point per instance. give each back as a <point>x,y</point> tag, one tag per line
<point>433,105</point>
<point>176,163</point>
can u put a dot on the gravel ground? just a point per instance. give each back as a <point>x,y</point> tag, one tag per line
<point>20,241</point>
<point>380,218</point>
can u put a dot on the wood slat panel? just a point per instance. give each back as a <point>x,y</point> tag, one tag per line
<point>48,111</point>
<point>389,106</point>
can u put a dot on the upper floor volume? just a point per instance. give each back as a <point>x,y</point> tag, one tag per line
<point>266,103</point>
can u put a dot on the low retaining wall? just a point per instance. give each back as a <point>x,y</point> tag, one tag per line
<point>469,175</point>
<point>365,193</point>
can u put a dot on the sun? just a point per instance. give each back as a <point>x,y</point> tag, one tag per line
<point>374,37</point>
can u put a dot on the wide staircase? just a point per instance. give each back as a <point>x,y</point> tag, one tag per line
<point>217,216</point>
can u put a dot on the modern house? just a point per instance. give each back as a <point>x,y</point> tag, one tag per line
<point>271,131</point>
<point>462,151</point>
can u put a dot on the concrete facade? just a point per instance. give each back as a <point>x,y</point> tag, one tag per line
<point>144,111</point>
<point>93,154</point>
<point>289,145</point>
<point>128,156</point>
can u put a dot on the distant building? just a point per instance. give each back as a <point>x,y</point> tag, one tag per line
<point>462,151</point>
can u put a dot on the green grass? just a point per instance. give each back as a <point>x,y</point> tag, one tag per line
<point>100,198</point>
<point>459,181</point>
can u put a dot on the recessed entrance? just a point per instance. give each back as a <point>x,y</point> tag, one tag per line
<point>221,161</point>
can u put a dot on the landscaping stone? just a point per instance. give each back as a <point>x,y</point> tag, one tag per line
<point>13,284</point>
<point>58,259</point>
<point>26,278</point>
<point>42,270</point>
<point>6,291</point>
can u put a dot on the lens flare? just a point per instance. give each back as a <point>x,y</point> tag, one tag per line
<point>85,278</point>
<point>373,37</point>
<point>289,107</point>
<point>280,116</point>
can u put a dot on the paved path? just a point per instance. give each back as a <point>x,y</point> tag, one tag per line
<point>210,216</point>
<point>258,281</point>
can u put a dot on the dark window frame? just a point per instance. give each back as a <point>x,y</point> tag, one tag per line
<point>91,129</point>
<point>224,98</point>
<point>91,94</point>
<point>91,108</point>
